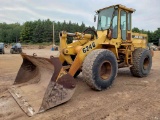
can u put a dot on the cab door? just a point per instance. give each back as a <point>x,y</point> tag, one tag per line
<point>129,27</point>
<point>123,24</point>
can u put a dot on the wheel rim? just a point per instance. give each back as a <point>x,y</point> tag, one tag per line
<point>146,63</point>
<point>105,70</point>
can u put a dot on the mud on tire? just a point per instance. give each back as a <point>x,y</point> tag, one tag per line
<point>142,62</point>
<point>100,69</point>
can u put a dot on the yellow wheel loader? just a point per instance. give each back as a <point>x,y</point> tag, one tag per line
<point>43,83</point>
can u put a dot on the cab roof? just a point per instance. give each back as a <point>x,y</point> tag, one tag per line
<point>119,6</point>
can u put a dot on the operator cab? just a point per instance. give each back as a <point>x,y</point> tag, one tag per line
<point>117,20</point>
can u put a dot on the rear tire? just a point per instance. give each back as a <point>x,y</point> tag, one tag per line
<point>20,51</point>
<point>100,69</point>
<point>142,62</point>
<point>11,51</point>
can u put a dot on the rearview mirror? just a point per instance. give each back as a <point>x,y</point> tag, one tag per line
<point>109,34</point>
<point>94,18</point>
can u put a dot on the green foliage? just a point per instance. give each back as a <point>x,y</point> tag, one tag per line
<point>135,29</point>
<point>69,27</point>
<point>9,32</point>
<point>41,31</point>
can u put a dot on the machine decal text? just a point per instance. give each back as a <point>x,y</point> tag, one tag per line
<point>89,47</point>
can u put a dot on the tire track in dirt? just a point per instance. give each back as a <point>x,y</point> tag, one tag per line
<point>139,99</point>
<point>96,109</point>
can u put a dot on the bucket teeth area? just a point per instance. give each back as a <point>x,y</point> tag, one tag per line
<point>23,103</point>
<point>41,84</point>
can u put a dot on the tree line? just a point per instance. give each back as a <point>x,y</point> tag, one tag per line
<point>41,31</point>
<point>10,32</point>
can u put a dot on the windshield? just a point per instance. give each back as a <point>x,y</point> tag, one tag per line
<point>18,45</point>
<point>104,18</point>
<point>1,45</point>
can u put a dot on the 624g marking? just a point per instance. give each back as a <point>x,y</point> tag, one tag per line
<point>87,48</point>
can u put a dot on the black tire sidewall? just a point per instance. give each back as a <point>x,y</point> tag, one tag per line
<point>11,51</point>
<point>103,84</point>
<point>20,50</point>
<point>145,54</point>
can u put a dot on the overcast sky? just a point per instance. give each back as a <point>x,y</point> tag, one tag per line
<point>147,15</point>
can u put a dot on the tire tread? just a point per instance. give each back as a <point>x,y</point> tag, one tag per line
<point>88,63</point>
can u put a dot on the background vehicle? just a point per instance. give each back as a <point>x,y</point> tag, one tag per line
<point>2,48</point>
<point>152,46</point>
<point>16,48</point>
<point>43,83</point>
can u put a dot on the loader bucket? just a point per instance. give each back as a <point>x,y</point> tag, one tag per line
<point>41,84</point>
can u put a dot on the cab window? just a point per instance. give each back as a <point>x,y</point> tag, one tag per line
<point>123,25</point>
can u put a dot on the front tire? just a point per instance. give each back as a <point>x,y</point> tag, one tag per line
<point>100,69</point>
<point>20,51</point>
<point>11,51</point>
<point>142,62</point>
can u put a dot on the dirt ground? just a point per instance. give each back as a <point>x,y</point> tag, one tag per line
<point>129,98</point>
